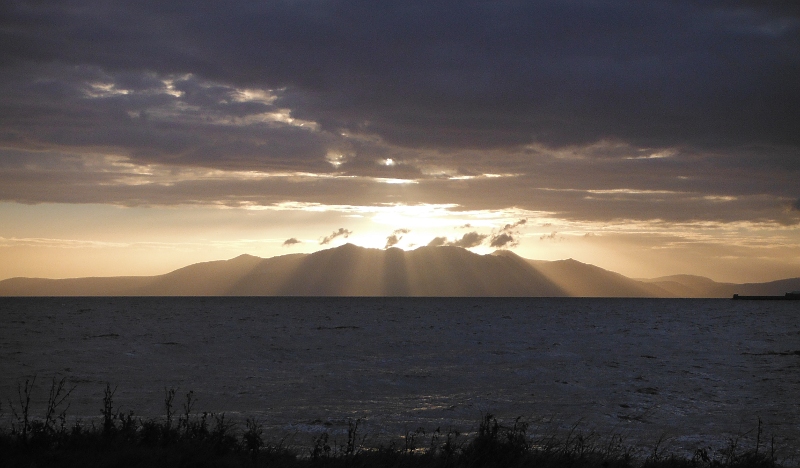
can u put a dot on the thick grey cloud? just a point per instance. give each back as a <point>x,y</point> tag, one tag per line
<point>796,205</point>
<point>290,242</point>
<point>692,108</point>
<point>645,189</point>
<point>466,74</point>
<point>151,118</point>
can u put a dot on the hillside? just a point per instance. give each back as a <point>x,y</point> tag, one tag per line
<point>350,270</point>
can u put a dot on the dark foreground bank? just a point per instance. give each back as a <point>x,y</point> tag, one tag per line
<point>185,438</point>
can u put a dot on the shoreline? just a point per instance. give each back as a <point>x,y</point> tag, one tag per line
<point>183,436</point>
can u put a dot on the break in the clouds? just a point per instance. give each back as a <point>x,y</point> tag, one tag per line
<point>341,232</point>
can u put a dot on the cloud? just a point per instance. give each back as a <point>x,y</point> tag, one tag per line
<point>551,236</point>
<point>391,241</point>
<point>437,242</point>
<point>494,75</point>
<point>342,232</point>
<point>469,240</point>
<point>646,96</point>
<point>561,190</point>
<point>290,242</point>
<point>511,227</point>
<point>395,237</point>
<point>503,241</point>
<point>504,238</point>
<point>507,236</point>
<point>150,117</point>
<point>796,205</point>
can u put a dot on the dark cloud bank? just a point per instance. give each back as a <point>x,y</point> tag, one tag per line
<point>480,86</point>
<point>439,73</point>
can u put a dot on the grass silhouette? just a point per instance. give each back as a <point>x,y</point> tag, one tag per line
<point>209,440</point>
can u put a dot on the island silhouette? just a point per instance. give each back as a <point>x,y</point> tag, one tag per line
<point>350,270</point>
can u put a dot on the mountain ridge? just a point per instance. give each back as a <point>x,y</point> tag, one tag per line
<point>350,270</point>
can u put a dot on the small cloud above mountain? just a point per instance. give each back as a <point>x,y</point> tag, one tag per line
<point>508,236</point>
<point>505,237</point>
<point>503,240</point>
<point>290,242</point>
<point>342,232</point>
<point>394,239</point>
<point>469,240</point>
<point>511,227</point>
<point>438,242</point>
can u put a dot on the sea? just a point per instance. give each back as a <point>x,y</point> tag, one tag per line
<point>680,374</point>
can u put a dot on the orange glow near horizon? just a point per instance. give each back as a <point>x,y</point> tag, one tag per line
<point>102,240</point>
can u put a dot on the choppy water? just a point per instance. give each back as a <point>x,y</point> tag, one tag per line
<point>697,371</point>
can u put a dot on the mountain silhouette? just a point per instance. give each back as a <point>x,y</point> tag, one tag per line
<point>350,270</point>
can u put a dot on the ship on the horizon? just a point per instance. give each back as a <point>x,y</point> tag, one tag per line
<point>789,296</point>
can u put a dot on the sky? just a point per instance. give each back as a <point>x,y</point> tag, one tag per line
<point>648,138</point>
